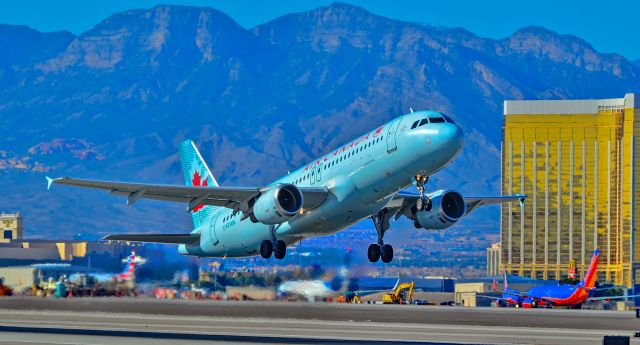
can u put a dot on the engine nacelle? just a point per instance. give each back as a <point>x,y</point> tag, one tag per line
<point>447,207</point>
<point>278,204</point>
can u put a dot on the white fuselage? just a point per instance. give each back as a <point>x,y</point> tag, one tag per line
<point>361,177</point>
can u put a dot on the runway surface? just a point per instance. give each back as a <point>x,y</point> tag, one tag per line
<point>148,321</point>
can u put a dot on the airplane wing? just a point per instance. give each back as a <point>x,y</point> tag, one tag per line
<point>157,238</point>
<point>490,297</point>
<point>404,199</point>
<point>473,202</point>
<point>230,197</point>
<point>604,298</point>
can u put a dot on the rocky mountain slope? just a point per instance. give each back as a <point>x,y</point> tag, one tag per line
<point>115,101</point>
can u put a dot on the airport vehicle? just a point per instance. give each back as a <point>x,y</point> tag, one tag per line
<point>365,178</point>
<point>349,297</point>
<point>562,295</point>
<point>402,294</point>
<point>5,290</point>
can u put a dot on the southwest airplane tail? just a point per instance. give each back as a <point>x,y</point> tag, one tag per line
<point>589,280</point>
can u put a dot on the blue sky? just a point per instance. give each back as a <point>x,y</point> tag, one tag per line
<point>609,26</point>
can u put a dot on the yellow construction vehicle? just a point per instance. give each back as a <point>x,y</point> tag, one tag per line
<point>402,294</point>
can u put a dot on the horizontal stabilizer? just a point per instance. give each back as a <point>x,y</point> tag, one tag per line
<point>156,238</point>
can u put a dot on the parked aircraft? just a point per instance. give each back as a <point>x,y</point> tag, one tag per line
<point>362,179</point>
<point>562,295</point>
<point>127,274</point>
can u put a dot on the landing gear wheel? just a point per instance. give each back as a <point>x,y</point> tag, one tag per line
<point>266,248</point>
<point>381,223</point>
<point>423,202</point>
<point>420,204</point>
<point>386,253</point>
<point>373,252</point>
<point>280,251</point>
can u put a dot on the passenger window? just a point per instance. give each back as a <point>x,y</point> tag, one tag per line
<point>436,120</point>
<point>414,125</point>
<point>423,122</point>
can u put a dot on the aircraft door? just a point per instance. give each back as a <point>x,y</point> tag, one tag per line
<point>212,230</point>
<point>391,135</point>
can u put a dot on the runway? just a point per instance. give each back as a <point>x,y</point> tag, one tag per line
<point>148,321</point>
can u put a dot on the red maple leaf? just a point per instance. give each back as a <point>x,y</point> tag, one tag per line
<point>196,181</point>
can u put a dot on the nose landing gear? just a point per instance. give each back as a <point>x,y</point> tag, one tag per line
<point>275,246</point>
<point>423,202</point>
<point>377,251</point>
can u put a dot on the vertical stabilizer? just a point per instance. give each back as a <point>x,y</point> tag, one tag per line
<point>506,285</point>
<point>589,279</point>
<point>129,267</point>
<point>196,173</point>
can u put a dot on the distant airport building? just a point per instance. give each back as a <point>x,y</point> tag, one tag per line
<point>576,160</point>
<point>16,250</point>
<point>10,227</point>
<point>493,260</point>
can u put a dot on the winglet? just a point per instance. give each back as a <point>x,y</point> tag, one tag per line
<point>522,198</point>
<point>50,181</point>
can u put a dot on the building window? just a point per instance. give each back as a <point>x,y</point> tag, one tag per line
<point>8,234</point>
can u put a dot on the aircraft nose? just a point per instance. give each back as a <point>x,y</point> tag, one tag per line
<point>451,137</point>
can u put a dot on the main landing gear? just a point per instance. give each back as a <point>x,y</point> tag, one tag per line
<point>377,251</point>
<point>423,202</point>
<point>275,246</point>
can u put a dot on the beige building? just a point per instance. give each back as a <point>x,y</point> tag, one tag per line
<point>493,260</point>
<point>576,160</point>
<point>13,246</point>
<point>10,227</point>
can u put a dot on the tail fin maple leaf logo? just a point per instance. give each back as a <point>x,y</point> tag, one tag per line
<point>198,181</point>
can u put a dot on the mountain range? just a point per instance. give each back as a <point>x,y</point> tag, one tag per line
<point>115,101</point>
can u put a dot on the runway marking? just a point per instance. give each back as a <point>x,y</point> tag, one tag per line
<point>216,321</point>
<point>307,329</point>
<point>513,334</point>
<point>235,337</point>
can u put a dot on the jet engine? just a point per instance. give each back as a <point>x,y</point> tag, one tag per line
<point>277,205</point>
<point>447,207</point>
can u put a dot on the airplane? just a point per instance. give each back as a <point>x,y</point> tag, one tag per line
<point>312,290</point>
<point>365,178</point>
<point>127,274</point>
<point>563,295</point>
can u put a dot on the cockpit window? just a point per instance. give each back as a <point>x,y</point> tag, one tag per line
<point>414,125</point>
<point>436,120</point>
<point>448,118</point>
<point>423,122</point>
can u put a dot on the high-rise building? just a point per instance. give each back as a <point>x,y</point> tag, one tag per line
<point>578,162</point>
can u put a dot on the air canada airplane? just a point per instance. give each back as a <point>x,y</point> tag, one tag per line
<point>362,179</point>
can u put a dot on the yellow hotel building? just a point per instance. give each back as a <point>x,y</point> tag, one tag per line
<point>578,161</point>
